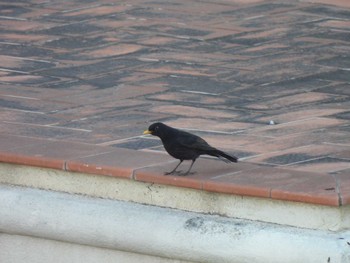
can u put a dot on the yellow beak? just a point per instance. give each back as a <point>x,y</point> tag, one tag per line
<point>147,132</point>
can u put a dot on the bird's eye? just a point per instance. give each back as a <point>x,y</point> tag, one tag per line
<point>156,128</point>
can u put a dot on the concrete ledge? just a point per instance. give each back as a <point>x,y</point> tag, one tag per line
<point>252,208</point>
<point>18,248</point>
<point>160,232</point>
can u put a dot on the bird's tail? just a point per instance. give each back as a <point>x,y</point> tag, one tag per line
<point>220,154</point>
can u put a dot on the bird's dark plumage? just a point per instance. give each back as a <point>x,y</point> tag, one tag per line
<point>184,145</point>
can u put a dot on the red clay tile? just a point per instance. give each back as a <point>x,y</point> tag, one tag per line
<point>168,69</point>
<point>98,10</point>
<point>288,142</point>
<point>21,78</point>
<point>132,91</point>
<point>119,162</point>
<point>345,155</point>
<point>11,62</point>
<point>47,153</point>
<point>130,65</point>
<point>341,3</point>
<point>154,175</point>
<point>35,13</point>
<point>44,95</point>
<point>309,188</point>
<point>8,141</point>
<point>230,185</point>
<point>343,180</point>
<point>336,23</point>
<point>203,169</point>
<point>32,160</point>
<point>92,168</point>
<point>323,165</point>
<point>38,106</point>
<point>300,114</point>
<point>191,111</point>
<point>23,26</point>
<point>42,131</point>
<point>253,182</point>
<point>112,24</point>
<point>116,50</point>
<point>157,40</point>
<point>306,152</point>
<point>65,150</point>
<point>308,125</point>
<point>189,97</point>
<point>210,125</point>
<point>279,184</point>
<point>292,100</point>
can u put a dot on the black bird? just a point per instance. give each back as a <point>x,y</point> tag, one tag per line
<point>184,145</point>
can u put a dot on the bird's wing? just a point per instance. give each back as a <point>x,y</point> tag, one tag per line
<point>192,141</point>
<point>200,146</point>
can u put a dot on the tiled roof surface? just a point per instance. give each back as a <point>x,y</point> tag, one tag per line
<point>80,81</point>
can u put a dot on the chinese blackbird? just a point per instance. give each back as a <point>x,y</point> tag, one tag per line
<point>184,145</point>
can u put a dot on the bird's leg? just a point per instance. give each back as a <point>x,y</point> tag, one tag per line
<point>173,171</point>
<point>188,171</point>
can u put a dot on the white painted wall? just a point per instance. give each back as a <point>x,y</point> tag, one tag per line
<point>64,222</point>
<point>268,210</point>
<point>25,249</point>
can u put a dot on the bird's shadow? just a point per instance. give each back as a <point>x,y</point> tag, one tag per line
<point>179,173</point>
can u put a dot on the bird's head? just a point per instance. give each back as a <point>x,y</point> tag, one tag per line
<point>156,129</point>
